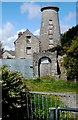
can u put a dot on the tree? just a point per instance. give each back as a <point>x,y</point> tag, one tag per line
<point>71,60</point>
<point>1,50</point>
<point>68,36</point>
<point>14,103</point>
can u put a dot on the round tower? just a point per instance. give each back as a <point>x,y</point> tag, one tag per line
<point>50,30</point>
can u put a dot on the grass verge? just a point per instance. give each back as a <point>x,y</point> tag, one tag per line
<point>47,84</point>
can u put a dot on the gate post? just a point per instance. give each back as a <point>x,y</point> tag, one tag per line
<point>52,115</point>
<point>57,113</point>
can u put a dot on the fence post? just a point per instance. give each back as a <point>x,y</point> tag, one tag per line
<point>52,115</point>
<point>57,113</point>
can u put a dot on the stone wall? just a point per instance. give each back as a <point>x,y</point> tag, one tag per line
<point>52,65</point>
<point>62,69</point>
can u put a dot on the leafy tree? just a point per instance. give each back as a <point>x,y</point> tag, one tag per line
<point>14,103</point>
<point>67,37</point>
<point>1,49</point>
<point>71,60</point>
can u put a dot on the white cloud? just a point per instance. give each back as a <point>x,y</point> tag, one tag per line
<point>8,36</point>
<point>70,16</point>
<point>9,45</point>
<point>37,32</point>
<point>6,47</point>
<point>6,32</point>
<point>15,36</point>
<point>32,9</point>
<point>64,27</point>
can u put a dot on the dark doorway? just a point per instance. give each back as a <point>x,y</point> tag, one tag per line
<point>44,67</point>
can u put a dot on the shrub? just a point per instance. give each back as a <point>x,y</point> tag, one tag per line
<point>13,96</point>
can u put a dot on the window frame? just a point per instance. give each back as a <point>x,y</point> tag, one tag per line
<point>27,52</point>
<point>28,39</point>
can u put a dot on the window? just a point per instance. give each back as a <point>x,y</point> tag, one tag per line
<point>51,46</point>
<point>28,39</point>
<point>50,36</point>
<point>50,22</point>
<point>51,27</point>
<point>51,41</point>
<point>50,32</point>
<point>28,50</point>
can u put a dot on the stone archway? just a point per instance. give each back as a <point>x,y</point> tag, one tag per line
<point>44,67</point>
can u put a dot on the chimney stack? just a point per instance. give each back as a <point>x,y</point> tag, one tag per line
<point>19,34</point>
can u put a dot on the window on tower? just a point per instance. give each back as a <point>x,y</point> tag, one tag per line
<point>51,46</point>
<point>50,36</point>
<point>50,27</point>
<point>50,22</point>
<point>50,32</point>
<point>51,41</point>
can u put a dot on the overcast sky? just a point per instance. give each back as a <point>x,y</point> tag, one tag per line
<point>19,16</point>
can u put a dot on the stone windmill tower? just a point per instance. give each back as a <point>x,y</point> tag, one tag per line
<point>45,63</point>
<point>50,30</point>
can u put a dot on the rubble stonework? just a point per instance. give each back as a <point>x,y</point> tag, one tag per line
<point>45,64</point>
<point>62,69</point>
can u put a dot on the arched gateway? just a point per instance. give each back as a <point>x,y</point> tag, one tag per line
<point>44,66</point>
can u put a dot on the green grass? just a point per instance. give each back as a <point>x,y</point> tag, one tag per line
<point>47,84</point>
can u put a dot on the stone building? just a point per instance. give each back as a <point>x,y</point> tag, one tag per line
<point>8,54</point>
<point>27,45</point>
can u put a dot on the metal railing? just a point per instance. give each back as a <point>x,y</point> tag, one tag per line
<point>63,113</point>
<point>42,101</point>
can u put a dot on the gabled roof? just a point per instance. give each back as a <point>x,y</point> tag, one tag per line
<point>10,52</point>
<point>26,32</point>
